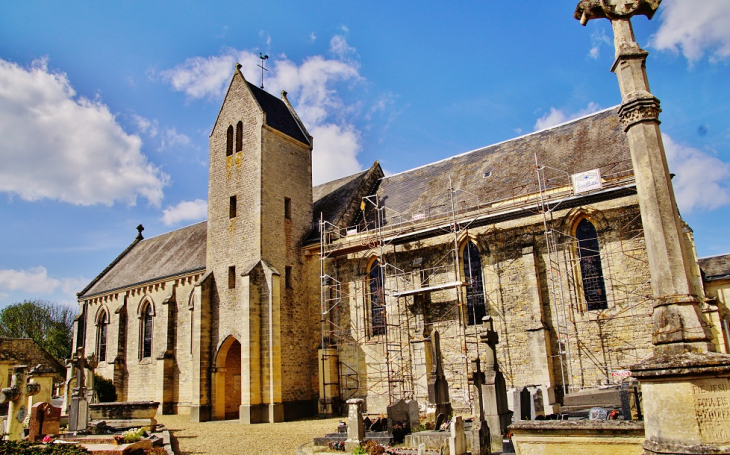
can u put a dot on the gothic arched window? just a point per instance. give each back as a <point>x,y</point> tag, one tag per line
<point>147,331</point>
<point>591,272</point>
<point>475,305</point>
<point>239,136</point>
<point>229,141</point>
<point>101,329</point>
<point>377,302</point>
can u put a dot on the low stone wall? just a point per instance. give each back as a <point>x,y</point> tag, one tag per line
<point>579,437</point>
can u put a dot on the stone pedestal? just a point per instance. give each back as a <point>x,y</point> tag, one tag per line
<point>355,427</point>
<point>686,403</point>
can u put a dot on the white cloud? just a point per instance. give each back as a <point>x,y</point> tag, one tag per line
<point>56,145</point>
<point>702,181</point>
<point>696,27</point>
<point>171,138</point>
<point>312,37</point>
<point>340,48</point>
<point>557,116</point>
<point>185,211</point>
<point>36,281</point>
<point>599,39</point>
<point>311,87</point>
<point>144,125</point>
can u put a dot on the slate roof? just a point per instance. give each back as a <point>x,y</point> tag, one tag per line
<point>278,115</point>
<point>594,141</point>
<point>338,201</point>
<point>177,252</point>
<point>715,267</point>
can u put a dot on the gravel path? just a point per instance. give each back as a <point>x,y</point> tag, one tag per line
<point>231,437</point>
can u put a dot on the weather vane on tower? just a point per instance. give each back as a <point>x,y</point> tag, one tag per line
<point>262,57</point>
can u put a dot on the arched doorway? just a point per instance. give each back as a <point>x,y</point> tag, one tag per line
<point>227,381</point>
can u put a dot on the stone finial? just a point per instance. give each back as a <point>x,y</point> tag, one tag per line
<point>238,66</point>
<point>140,228</point>
<point>614,9</point>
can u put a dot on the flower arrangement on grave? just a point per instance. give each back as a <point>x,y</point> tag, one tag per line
<point>130,436</point>
<point>337,445</point>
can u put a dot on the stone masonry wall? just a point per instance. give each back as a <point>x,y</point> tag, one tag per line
<point>600,341</point>
<point>144,378</point>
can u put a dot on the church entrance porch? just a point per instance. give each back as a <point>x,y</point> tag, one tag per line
<point>227,380</point>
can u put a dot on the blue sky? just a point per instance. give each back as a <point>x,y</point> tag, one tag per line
<point>106,107</point>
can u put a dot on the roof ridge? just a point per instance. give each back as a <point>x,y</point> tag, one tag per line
<point>505,141</point>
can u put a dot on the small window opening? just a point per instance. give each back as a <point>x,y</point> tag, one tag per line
<point>232,277</point>
<point>239,136</point>
<point>232,207</point>
<point>287,208</point>
<point>287,277</point>
<point>229,141</point>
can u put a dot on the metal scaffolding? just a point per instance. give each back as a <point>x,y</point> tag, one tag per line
<point>542,190</point>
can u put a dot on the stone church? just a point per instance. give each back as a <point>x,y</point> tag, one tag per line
<point>291,299</point>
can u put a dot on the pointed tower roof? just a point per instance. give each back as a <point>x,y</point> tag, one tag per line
<point>279,114</point>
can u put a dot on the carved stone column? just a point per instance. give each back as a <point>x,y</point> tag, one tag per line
<point>686,386</point>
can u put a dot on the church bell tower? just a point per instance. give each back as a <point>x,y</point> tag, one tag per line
<point>259,211</point>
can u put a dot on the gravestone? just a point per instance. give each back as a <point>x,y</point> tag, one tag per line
<point>17,395</point>
<point>479,433</point>
<point>525,408</point>
<point>438,387</point>
<point>536,403</point>
<point>549,403</point>
<point>494,390</point>
<point>397,413</point>
<point>45,419</point>
<point>413,413</point>
<point>457,441</point>
<point>78,412</point>
<point>355,426</point>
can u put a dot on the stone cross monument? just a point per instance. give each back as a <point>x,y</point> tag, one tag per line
<point>17,395</point>
<point>438,387</point>
<point>685,385</point>
<point>78,413</point>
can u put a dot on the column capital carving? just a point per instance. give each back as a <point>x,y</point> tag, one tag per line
<point>639,109</point>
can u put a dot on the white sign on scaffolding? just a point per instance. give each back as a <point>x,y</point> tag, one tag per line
<point>587,181</point>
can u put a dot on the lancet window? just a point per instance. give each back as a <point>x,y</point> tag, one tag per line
<point>475,304</point>
<point>591,271</point>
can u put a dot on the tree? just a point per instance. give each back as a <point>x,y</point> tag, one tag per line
<point>49,324</point>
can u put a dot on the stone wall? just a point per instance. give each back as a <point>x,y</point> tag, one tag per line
<point>165,376</point>
<point>518,289</point>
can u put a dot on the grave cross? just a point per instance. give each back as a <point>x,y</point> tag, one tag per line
<point>78,414</point>
<point>17,395</point>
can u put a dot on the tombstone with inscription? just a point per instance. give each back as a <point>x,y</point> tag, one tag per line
<point>438,387</point>
<point>17,395</point>
<point>45,419</point>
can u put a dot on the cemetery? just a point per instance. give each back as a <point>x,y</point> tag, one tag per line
<point>33,422</point>
<point>415,357</point>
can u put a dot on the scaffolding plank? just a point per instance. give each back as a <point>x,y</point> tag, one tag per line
<point>452,284</point>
